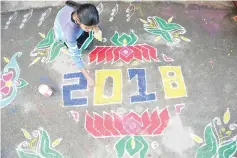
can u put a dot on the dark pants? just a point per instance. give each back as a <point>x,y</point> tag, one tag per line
<point>81,39</point>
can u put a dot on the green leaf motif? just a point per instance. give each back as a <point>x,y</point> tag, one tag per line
<point>131,151</point>
<point>144,150</point>
<point>209,149</point>
<point>120,146</point>
<point>164,34</point>
<point>114,39</point>
<point>26,153</point>
<point>167,26</point>
<point>227,150</point>
<point>126,143</point>
<point>22,84</point>
<point>134,38</point>
<point>160,27</point>
<point>45,149</point>
<point>130,39</point>
<point>46,42</point>
<point>124,37</point>
<point>55,50</point>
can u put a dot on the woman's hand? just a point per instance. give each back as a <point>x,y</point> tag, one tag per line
<point>97,33</point>
<point>91,82</point>
<point>96,29</point>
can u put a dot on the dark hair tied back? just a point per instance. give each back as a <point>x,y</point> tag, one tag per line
<point>87,13</point>
<point>72,4</point>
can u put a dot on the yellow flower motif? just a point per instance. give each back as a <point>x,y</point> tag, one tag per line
<point>9,83</point>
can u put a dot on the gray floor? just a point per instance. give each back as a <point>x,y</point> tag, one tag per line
<point>208,64</point>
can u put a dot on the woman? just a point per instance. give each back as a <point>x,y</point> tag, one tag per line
<point>72,24</point>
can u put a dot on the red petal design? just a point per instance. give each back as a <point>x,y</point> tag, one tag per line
<point>108,124</point>
<point>165,117</point>
<point>126,59</point>
<point>118,124</point>
<point>5,90</point>
<point>136,52</point>
<point>8,76</point>
<point>101,54</point>
<point>98,124</point>
<point>94,54</point>
<point>135,116</point>
<point>145,52</point>
<point>146,121</point>
<point>109,54</point>
<point>116,54</point>
<point>179,108</point>
<point>2,84</point>
<point>89,126</point>
<point>155,122</point>
<point>152,52</point>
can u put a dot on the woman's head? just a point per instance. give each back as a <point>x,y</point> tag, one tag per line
<point>86,15</point>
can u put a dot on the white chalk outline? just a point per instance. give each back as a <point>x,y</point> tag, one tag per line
<point>100,8</point>
<point>38,144</point>
<point>233,126</point>
<point>154,144</point>
<point>167,59</point>
<point>163,82</point>
<point>175,40</point>
<point>70,106</point>
<point>113,13</point>
<point>175,106</point>
<point>10,20</point>
<point>128,11</point>
<point>44,15</point>
<point>122,116</point>
<point>26,18</point>
<point>72,112</point>
<point>137,93</point>
<point>114,86</point>
<point>218,122</point>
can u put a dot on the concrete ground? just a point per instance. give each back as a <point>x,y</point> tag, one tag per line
<point>196,117</point>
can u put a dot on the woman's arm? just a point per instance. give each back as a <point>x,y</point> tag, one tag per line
<point>90,81</point>
<point>75,53</point>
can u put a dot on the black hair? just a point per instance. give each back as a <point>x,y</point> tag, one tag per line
<point>87,13</point>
